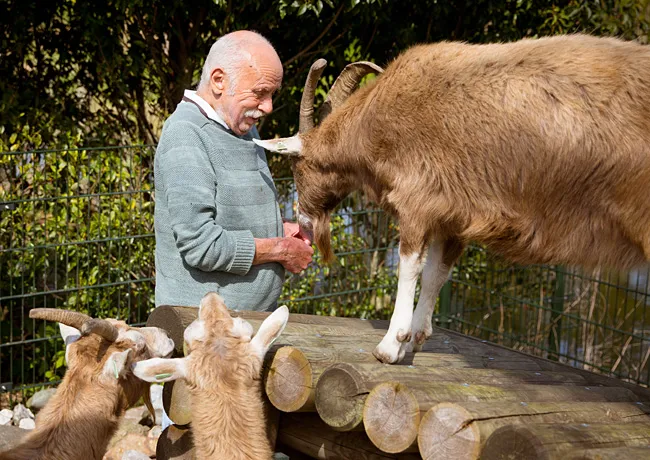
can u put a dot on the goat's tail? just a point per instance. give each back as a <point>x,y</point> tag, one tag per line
<point>323,237</point>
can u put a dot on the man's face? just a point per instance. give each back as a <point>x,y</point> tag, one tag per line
<point>250,96</point>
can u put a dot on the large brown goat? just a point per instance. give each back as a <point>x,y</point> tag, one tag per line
<point>539,149</point>
<point>98,387</point>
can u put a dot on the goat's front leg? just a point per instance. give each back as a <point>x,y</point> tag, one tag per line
<point>393,346</point>
<point>440,260</point>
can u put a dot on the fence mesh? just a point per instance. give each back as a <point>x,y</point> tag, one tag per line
<point>76,232</point>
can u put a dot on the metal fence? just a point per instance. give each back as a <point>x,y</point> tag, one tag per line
<point>76,231</point>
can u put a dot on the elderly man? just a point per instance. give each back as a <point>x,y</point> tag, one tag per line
<point>217,221</point>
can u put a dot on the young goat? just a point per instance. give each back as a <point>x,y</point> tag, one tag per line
<point>223,373</point>
<point>98,387</point>
<point>539,149</point>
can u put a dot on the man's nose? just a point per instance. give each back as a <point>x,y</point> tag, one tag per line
<point>266,105</point>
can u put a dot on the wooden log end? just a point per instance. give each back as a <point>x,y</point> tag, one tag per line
<point>513,442</point>
<point>176,402</point>
<point>174,320</point>
<point>391,416</point>
<point>289,382</point>
<point>175,444</point>
<point>340,395</point>
<point>446,431</point>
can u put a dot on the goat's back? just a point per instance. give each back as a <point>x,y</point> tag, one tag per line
<point>538,148</point>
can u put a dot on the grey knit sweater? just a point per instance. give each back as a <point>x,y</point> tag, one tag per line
<point>214,194</point>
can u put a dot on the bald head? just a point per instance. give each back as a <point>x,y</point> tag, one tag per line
<point>240,76</point>
<point>234,51</point>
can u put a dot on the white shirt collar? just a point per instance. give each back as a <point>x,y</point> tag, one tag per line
<point>207,108</point>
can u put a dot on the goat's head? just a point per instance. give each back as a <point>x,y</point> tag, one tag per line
<point>104,350</point>
<point>220,348</point>
<point>320,187</point>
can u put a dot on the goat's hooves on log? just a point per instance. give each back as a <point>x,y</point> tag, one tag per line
<point>390,355</point>
<point>403,336</point>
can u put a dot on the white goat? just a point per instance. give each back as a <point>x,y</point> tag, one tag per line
<point>223,373</point>
<point>98,387</point>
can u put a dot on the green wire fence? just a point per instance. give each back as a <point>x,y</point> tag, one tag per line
<point>76,232</point>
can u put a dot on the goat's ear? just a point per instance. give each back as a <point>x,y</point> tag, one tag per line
<point>158,370</point>
<point>69,335</point>
<point>269,331</point>
<point>115,365</point>
<point>291,146</point>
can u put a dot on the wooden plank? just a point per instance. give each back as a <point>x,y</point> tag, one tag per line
<point>306,433</point>
<point>341,393</point>
<point>293,372</point>
<point>615,453</point>
<point>546,441</point>
<point>462,428</point>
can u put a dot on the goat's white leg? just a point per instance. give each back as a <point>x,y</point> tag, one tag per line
<point>434,275</point>
<point>393,346</point>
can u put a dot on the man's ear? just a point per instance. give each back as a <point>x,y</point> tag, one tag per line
<point>269,331</point>
<point>291,146</point>
<point>158,370</point>
<point>69,335</point>
<point>115,365</point>
<point>217,80</point>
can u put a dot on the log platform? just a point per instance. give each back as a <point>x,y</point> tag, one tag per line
<point>459,398</point>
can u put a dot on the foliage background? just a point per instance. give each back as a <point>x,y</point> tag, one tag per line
<point>76,220</point>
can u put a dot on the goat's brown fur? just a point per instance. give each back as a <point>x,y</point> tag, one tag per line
<point>539,149</point>
<point>223,375</point>
<point>82,416</point>
<point>227,410</point>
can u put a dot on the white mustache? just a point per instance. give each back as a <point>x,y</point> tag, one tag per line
<point>254,113</point>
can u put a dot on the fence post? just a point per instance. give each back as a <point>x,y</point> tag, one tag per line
<point>557,308</point>
<point>445,305</point>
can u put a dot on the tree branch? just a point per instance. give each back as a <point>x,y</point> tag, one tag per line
<point>317,39</point>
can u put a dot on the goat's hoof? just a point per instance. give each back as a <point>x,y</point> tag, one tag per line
<point>390,354</point>
<point>403,336</point>
<point>421,337</point>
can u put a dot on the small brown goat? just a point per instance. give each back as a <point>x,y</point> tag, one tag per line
<point>98,387</point>
<point>223,373</point>
<point>539,149</point>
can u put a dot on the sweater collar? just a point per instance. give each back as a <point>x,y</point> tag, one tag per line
<point>206,109</point>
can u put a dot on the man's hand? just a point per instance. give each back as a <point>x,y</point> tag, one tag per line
<point>294,253</point>
<point>293,230</point>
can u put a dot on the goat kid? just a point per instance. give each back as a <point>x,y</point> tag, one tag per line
<point>538,149</point>
<point>223,373</point>
<point>98,387</point>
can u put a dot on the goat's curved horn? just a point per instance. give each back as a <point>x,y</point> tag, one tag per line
<point>100,327</point>
<point>307,101</point>
<point>67,317</point>
<point>346,83</point>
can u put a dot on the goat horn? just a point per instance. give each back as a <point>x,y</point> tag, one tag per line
<point>67,317</point>
<point>307,101</point>
<point>346,83</point>
<point>100,327</point>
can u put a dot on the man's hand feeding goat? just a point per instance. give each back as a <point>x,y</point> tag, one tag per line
<point>539,149</point>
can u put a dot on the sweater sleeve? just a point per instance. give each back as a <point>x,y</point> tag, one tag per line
<point>190,188</point>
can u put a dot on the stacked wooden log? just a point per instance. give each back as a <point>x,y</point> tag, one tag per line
<point>459,398</point>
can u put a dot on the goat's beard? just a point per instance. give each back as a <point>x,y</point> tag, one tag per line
<point>323,237</point>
